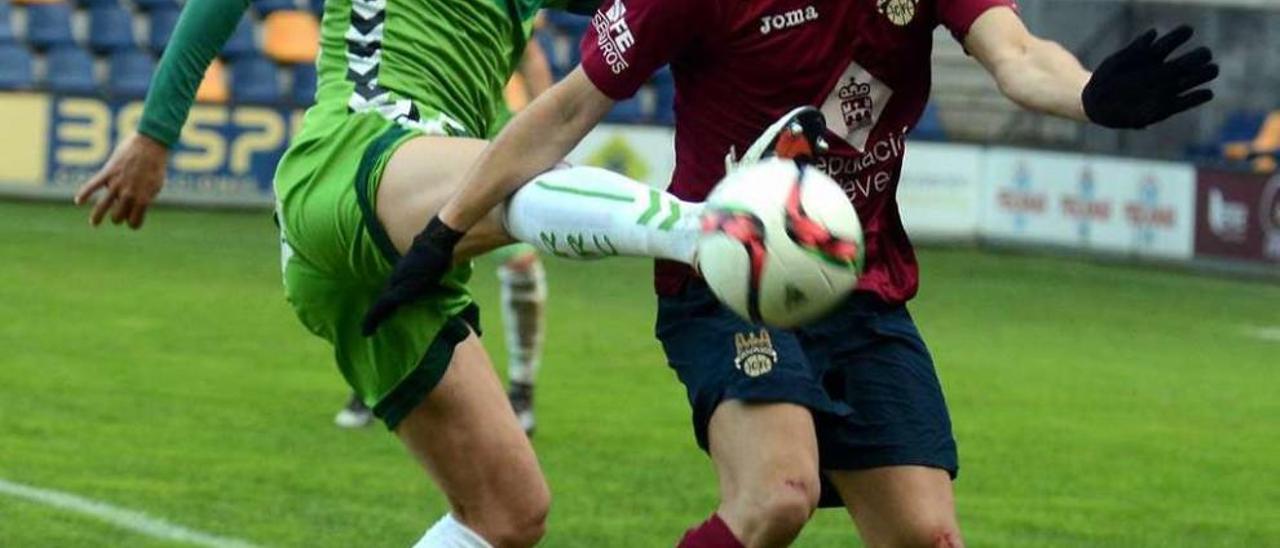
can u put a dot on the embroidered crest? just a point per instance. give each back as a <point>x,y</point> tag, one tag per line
<point>899,12</point>
<point>756,355</point>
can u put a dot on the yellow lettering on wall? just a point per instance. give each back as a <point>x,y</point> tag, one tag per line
<point>206,147</point>
<point>263,131</point>
<point>84,132</point>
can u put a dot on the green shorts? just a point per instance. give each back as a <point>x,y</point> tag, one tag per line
<point>336,257</point>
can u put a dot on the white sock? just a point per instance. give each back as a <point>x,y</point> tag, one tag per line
<point>591,213</point>
<point>450,533</point>
<point>523,293</point>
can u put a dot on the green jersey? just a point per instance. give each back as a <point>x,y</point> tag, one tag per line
<point>437,66</point>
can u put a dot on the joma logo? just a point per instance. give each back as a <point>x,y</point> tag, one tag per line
<point>793,18</point>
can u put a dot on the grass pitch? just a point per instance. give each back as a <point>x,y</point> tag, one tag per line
<point>163,372</point>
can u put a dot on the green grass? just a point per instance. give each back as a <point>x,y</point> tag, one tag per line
<point>162,371</point>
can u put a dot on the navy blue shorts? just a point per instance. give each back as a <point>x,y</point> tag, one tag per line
<point>864,373</point>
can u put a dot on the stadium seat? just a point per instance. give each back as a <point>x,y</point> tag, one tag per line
<point>7,36</point>
<point>110,29</point>
<point>91,4</point>
<point>291,37</point>
<point>162,21</point>
<point>254,80</point>
<point>241,42</point>
<point>267,7</point>
<point>316,7</point>
<point>150,6</point>
<point>130,74</point>
<point>560,57</point>
<point>930,126</point>
<point>16,70</point>
<point>71,71</point>
<point>1238,131</point>
<point>49,25</point>
<point>303,92</point>
<point>664,91</point>
<point>568,23</point>
<point>213,88</point>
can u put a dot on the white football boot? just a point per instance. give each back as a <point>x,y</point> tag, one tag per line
<point>796,135</point>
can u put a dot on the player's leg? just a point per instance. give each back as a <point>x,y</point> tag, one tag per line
<point>766,459</point>
<point>577,212</point>
<point>424,373</point>
<point>892,463</point>
<point>466,437</point>
<point>523,298</point>
<point>901,506</point>
<point>751,393</point>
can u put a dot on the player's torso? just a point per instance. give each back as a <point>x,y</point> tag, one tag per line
<point>865,63</point>
<point>434,65</point>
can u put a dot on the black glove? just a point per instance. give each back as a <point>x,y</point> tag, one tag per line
<point>1138,86</point>
<point>417,273</point>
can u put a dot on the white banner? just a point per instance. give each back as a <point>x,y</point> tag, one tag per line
<point>1095,203</point>
<point>939,195</point>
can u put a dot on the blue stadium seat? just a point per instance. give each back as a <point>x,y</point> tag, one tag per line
<point>930,126</point>
<point>7,35</point>
<point>241,42</point>
<point>90,4</point>
<point>130,74</point>
<point>16,70</point>
<point>630,111</point>
<point>1241,126</point>
<point>254,80</point>
<point>162,22</point>
<point>110,29</point>
<point>153,5</point>
<point>263,7</point>
<point>303,93</point>
<point>71,71</point>
<point>316,7</point>
<point>573,25</point>
<point>560,57</point>
<point>664,91</point>
<point>48,26</point>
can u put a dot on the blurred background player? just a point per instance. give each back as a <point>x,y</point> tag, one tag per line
<point>849,411</point>
<point>522,278</point>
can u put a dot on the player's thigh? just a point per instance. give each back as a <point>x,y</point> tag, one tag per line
<point>764,453</point>
<point>900,506</point>
<point>467,437</point>
<point>419,178</point>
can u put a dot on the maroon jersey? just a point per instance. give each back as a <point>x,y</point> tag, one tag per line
<point>741,64</point>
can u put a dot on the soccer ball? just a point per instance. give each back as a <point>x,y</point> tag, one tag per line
<point>781,244</point>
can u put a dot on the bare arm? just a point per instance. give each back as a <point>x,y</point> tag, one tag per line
<point>535,141</point>
<point>1139,85</point>
<point>1036,74</point>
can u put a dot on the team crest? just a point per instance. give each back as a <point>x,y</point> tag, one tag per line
<point>899,12</point>
<point>854,105</point>
<point>756,355</point>
<point>857,108</point>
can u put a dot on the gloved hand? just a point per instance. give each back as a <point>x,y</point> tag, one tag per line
<point>417,273</point>
<point>1139,86</point>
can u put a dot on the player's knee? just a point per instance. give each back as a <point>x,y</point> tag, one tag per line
<point>928,534</point>
<point>782,509</point>
<point>521,524</point>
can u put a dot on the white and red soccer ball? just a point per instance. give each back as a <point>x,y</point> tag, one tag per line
<point>781,244</point>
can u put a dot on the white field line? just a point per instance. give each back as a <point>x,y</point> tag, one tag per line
<point>132,520</point>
